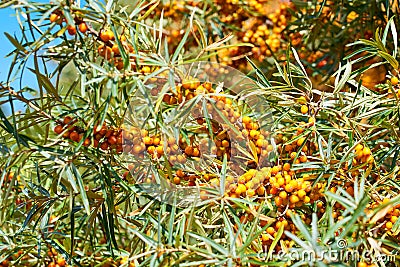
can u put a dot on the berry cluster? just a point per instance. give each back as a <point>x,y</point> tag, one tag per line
<point>8,262</point>
<point>254,21</point>
<point>105,138</point>
<point>362,155</point>
<point>58,18</point>
<point>266,32</point>
<point>110,50</point>
<point>55,259</point>
<point>70,131</point>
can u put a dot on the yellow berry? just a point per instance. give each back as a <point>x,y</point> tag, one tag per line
<point>264,237</point>
<point>301,193</point>
<point>366,151</point>
<point>250,192</point>
<point>359,147</point>
<point>304,109</point>
<point>246,120</point>
<point>240,189</point>
<point>302,100</point>
<point>394,80</point>
<point>283,194</point>
<point>271,230</point>
<point>300,141</point>
<point>294,199</point>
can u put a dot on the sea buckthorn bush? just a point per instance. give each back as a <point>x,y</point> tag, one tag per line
<point>201,133</point>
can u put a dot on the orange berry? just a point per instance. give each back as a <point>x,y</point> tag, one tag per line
<point>260,142</point>
<point>148,140</point>
<point>87,142</point>
<point>359,154</point>
<point>225,143</point>
<point>261,190</point>
<point>146,69</point>
<point>61,262</point>
<point>254,126</point>
<point>171,141</point>
<point>389,225</point>
<point>189,150</point>
<point>196,152</point>
<point>177,180</point>
<point>151,149</point>
<point>180,173</point>
<point>278,201</point>
<point>71,29</point>
<point>288,178</point>
<point>286,166</point>
<point>112,140</point>
<point>106,36</point>
<point>74,136</point>
<point>362,264</point>
<point>54,17</point>
<point>273,190</point>
<point>83,27</point>
<point>115,49</point>
<point>156,141</point>
<point>160,150</point>
<point>288,148</point>
<point>58,129</point>
<point>293,155</point>
<point>119,64</point>
<point>68,120</point>
<point>104,146</point>
<point>104,51</point>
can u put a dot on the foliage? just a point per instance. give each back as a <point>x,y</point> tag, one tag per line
<point>153,154</point>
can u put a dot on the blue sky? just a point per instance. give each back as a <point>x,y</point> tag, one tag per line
<point>10,25</point>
